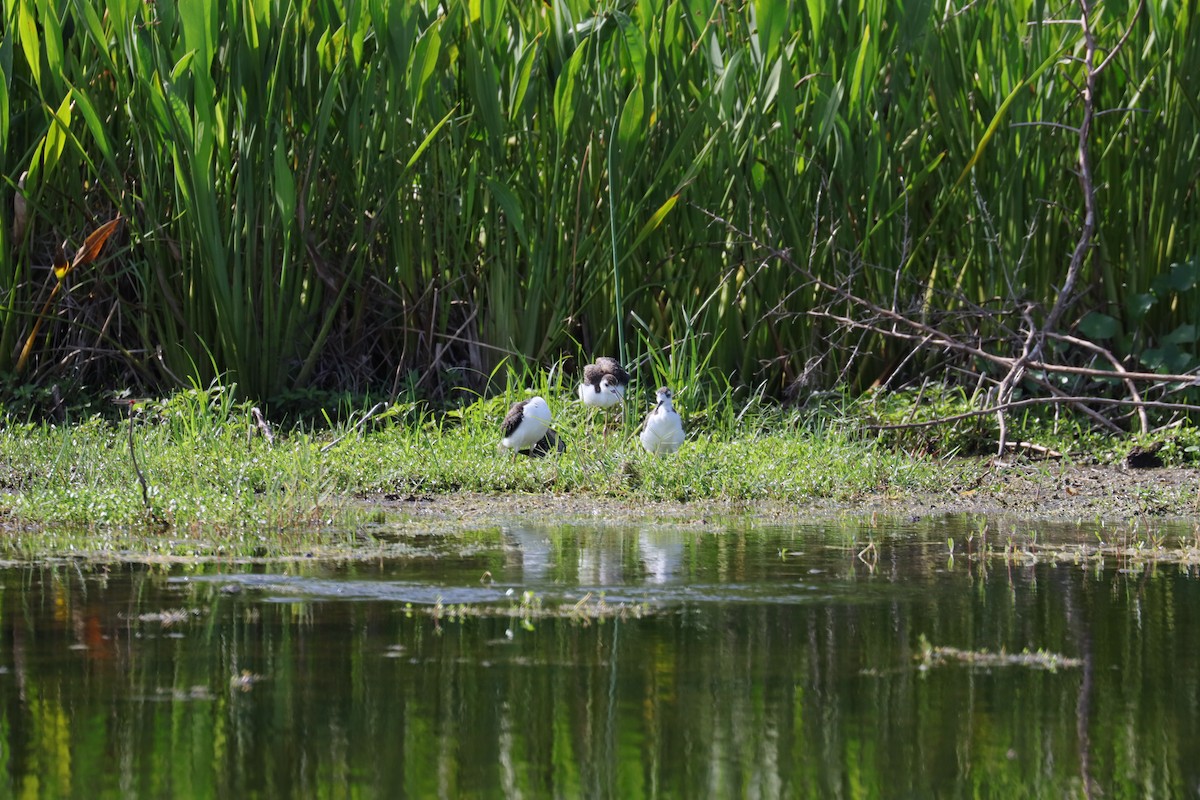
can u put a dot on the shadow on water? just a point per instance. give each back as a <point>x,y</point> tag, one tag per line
<point>609,662</point>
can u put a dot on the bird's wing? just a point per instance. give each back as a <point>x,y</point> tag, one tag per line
<point>513,418</point>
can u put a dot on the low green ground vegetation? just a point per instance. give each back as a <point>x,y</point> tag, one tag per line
<point>210,470</point>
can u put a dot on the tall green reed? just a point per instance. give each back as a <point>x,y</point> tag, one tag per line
<point>347,193</point>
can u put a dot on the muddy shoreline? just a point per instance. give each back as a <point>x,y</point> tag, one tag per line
<point>1048,492</point>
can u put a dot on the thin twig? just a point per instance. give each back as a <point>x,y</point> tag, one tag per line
<point>133,457</point>
<point>1117,366</point>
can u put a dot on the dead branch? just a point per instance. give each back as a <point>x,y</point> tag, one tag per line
<point>941,340</point>
<point>1033,401</point>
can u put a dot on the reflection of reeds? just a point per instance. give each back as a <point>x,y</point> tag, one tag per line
<point>339,192</point>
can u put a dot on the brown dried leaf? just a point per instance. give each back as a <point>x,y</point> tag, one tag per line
<point>95,242</point>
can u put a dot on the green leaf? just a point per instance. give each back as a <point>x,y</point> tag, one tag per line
<point>758,175</point>
<point>182,66</point>
<point>859,63</point>
<point>829,113</point>
<point>1168,358</point>
<point>1184,334</point>
<point>511,207</point>
<point>632,127</point>
<point>1139,305</point>
<point>285,183</point>
<point>635,44</point>
<point>524,73</point>
<point>3,106</point>
<point>428,139</point>
<point>53,142</point>
<point>565,90</point>
<point>1182,277</point>
<point>1099,326</point>
<point>655,220</point>
<point>30,43</point>
<point>771,16</point>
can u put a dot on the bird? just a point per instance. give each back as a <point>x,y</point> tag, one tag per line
<point>606,394</point>
<point>595,391</point>
<point>549,443</point>
<point>663,431</point>
<point>527,430</point>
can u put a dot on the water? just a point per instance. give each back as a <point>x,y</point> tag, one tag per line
<point>651,662</point>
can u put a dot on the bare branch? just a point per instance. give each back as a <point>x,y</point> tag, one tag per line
<point>1032,401</point>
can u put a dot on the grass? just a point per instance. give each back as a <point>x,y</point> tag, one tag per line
<point>211,474</point>
<point>216,484</point>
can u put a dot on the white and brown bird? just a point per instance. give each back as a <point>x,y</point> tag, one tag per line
<point>527,430</point>
<point>663,432</point>
<point>603,383</point>
<point>607,394</point>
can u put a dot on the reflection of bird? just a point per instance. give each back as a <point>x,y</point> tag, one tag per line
<point>601,393</point>
<point>527,429</point>
<point>662,555</point>
<point>529,555</point>
<point>663,431</point>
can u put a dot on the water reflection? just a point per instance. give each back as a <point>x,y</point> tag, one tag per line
<point>768,663</point>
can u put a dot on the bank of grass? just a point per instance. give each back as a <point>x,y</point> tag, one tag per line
<point>216,484</point>
<point>209,469</point>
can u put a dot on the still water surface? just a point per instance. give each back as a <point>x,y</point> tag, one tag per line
<point>651,662</point>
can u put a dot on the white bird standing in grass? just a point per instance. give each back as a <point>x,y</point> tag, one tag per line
<point>526,429</point>
<point>606,394</point>
<point>663,431</point>
<point>603,383</point>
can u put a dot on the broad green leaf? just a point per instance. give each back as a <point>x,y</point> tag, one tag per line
<point>511,207</point>
<point>816,18</point>
<point>1139,304</point>
<point>30,42</point>
<point>95,125</point>
<point>1183,276</point>
<point>1095,325</point>
<point>730,92</point>
<point>635,44</point>
<point>52,41</point>
<point>859,62</point>
<point>1183,334</point>
<point>525,64</point>
<point>632,128</point>
<point>182,66</point>
<point>1168,359</point>
<point>55,139</point>
<point>829,112</point>
<point>485,78</point>
<point>196,20</point>
<point>423,62</point>
<point>359,25</point>
<point>566,89</point>
<point>758,175</point>
<point>772,18</point>
<point>285,183</point>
